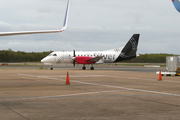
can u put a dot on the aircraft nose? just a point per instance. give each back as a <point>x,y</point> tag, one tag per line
<point>44,60</point>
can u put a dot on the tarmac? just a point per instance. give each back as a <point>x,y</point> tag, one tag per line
<point>41,94</point>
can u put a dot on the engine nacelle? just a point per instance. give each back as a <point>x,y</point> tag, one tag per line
<point>84,60</point>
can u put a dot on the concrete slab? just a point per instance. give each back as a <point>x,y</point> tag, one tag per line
<point>42,95</point>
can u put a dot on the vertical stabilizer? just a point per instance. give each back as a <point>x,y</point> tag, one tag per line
<point>130,49</point>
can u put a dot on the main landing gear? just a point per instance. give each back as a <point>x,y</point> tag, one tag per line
<point>51,67</point>
<point>92,68</point>
<point>84,68</point>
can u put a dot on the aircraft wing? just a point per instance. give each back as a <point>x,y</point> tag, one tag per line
<point>40,31</point>
<point>28,32</point>
<point>95,59</point>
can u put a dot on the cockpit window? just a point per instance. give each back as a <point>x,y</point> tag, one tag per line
<point>52,55</point>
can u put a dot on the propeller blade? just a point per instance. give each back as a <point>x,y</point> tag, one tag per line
<point>74,55</point>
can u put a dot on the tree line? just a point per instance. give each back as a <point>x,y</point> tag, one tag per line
<point>151,58</point>
<point>20,56</point>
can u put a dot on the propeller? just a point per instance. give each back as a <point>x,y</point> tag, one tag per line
<point>74,55</point>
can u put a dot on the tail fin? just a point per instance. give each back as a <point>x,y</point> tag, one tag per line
<point>130,49</point>
<point>176,4</point>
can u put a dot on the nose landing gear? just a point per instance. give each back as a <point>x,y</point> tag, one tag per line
<point>51,67</point>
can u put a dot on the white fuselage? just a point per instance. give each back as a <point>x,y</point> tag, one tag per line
<point>67,56</point>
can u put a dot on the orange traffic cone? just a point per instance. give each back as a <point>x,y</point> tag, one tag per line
<point>67,79</point>
<point>160,77</point>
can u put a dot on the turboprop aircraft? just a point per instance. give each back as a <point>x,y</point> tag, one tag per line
<point>94,57</point>
<point>176,4</point>
<point>40,31</point>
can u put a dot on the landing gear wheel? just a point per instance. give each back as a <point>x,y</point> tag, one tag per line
<point>51,68</point>
<point>92,68</point>
<point>84,68</point>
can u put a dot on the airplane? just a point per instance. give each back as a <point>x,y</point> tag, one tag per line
<point>94,57</point>
<point>176,4</point>
<point>41,31</point>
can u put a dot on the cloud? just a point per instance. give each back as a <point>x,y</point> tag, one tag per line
<point>92,25</point>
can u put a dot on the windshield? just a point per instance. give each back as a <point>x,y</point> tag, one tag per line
<point>52,54</point>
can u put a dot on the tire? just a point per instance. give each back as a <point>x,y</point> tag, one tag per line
<point>92,68</point>
<point>84,68</point>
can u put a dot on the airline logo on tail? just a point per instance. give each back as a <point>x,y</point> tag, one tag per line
<point>176,4</point>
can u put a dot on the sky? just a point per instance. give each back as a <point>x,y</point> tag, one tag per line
<point>93,25</point>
